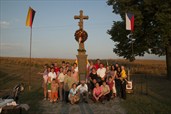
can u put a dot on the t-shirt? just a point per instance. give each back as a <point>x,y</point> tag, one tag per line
<point>52,75</point>
<point>82,88</point>
<point>105,88</point>
<point>72,92</point>
<point>93,76</point>
<point>61,77</point>
<point>97,91</point>
<point>101,72</point>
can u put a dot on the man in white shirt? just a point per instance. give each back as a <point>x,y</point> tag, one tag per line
<point>83,90</point>
<point>101,72</point>
<point>61,78</point>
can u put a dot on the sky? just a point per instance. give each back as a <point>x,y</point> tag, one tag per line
<point>54,27</point>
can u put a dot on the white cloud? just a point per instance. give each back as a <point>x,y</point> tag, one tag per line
<point>4,24</point>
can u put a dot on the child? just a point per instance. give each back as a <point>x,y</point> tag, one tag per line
<point>54,91</point>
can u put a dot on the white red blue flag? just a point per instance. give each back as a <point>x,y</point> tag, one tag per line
<point>129,21</point>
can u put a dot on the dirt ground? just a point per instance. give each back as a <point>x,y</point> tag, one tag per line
<point>110,107</point>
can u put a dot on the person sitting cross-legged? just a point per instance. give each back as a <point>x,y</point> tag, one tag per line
<point>73,95</point>
<point>97,93</point>
<point>83,91</point>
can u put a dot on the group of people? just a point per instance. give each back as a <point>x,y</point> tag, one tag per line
<point>102,82</point>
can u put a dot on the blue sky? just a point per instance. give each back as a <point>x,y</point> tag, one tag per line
<point>54,27</point>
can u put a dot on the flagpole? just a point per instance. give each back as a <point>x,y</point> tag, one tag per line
<point>132,47</point>
<point>30,58</point>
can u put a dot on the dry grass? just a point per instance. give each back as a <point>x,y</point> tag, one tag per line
<point>152,67</point>
<point>151,94</point>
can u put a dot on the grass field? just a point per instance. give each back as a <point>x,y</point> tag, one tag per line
<point>152,91</point>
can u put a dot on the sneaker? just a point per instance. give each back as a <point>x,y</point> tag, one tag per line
<point>44,99</point>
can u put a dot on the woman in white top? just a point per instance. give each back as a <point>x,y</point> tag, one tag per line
<point>73,96</point>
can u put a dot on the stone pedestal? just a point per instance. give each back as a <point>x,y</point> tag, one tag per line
<point>82,62</point>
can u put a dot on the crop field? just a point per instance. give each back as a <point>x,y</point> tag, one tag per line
<point>151,89</point>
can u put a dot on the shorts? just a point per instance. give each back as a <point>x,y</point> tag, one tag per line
<point>54,95</point>
<point>49,87</point>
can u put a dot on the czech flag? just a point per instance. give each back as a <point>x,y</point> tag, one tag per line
<point>129,21</point>
<point>30,17</point>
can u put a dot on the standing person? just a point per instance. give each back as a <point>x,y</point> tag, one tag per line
<point>63,64</point>
<point>61,78</point>
<point>90,67</point>
<point>97,94</point>
<point>112,71</point>
<point>117,80</point>
<point>123,82</point>
<point>108,73</point>
<point>45,78</point>
<point>97,65</point>
<point>101,72</point>
<point>113,76</point>
<point>74,73</point>
<point>105,91</point>
<point>68,81</point>
<point>69,66</point>
<point>51,76</point>
<point>73,95</point>
<point>56,69</point>
<point>83,91</point>
<point>54,91</point>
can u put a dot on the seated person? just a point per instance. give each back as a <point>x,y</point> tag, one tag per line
<point>73,95</point>
<point>83,91</point>
<point>105,91</point>
<point>97,94</point>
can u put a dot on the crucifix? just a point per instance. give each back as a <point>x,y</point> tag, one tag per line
<point>81,17</point>
<point>81,36</point>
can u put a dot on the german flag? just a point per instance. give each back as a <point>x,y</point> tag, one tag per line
<point>30,17</point>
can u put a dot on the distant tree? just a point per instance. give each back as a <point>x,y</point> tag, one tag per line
<point>152,29</point>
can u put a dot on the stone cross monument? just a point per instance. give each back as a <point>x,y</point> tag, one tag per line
<point>81,36</point>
